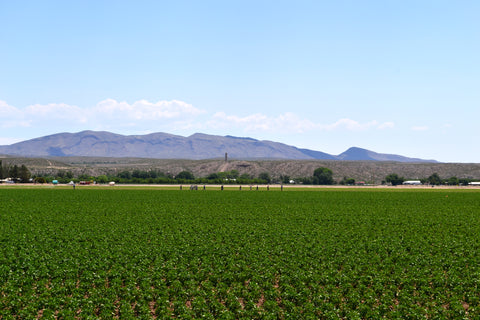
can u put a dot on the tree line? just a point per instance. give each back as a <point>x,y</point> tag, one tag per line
<point>433,179</point>
<point>320,176</point>
<point>22,174</point>
<point>157,177</point>
<point>15,173</point>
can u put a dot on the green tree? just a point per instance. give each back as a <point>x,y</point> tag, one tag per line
<point>453,181</point>
<point>246,176</point>
<point>139,174</point>
<point>265,177</point>
<point>40,180</point>
<point>285,179</point>
<point>14,172</point>
<point>125,175</point>
<point>233,174</point>
<point>394,179</point>
<point>213,176</point>
<point>24,174</point>
<point>186,175</point>
<point>434,179</point>
<point>86,177</point>
<point>102,179</point>
<point>322,175</point>
<point>347,181</point>
<point>153,174</point>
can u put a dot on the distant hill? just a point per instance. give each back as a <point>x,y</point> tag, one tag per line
<point>357,154</point>
<point>168,146</point>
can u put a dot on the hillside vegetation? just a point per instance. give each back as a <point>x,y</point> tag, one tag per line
<point>369,171</point>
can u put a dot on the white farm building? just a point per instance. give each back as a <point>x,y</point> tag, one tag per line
<point>412,182</point>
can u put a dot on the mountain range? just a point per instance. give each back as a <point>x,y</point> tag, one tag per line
<point>168,146</point>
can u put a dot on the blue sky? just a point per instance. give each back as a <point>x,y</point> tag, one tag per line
<point>390,76</point>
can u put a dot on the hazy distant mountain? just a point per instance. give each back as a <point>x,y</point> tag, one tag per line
<point>355,153</point>
<point>169,146</point>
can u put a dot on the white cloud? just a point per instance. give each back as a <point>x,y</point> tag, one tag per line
<point>40,115</point>
<point>419,128</point>
<point>169,116</point>
<point>251,122</point>
<point>350,125</point>
<point>288,122</point>
<point>144,110</point>
<point>7,141</point>
<point>53,112</point>
<point>7,111</point>
<point>143,115</point>
<point>108,114</point>
<point>11,117</point>
<point>353,125</point>
<point>295,123</point>
<point>386,125</point>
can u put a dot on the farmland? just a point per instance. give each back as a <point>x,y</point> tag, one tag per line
<point>320,253</point>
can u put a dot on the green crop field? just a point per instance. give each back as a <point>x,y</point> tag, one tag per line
<point>318,254</point>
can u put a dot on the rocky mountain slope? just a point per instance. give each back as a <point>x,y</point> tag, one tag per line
<point>169,146</point>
